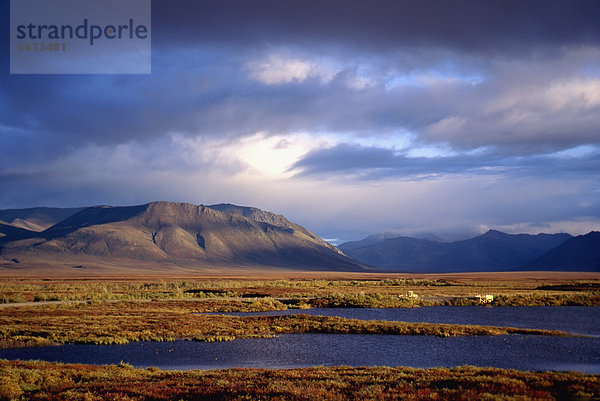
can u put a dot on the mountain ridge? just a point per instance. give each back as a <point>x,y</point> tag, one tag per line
<point>580,252</point>
<point>492,251</point>
<point>181,233</point>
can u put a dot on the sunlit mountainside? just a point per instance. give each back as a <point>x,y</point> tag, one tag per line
<point>169,234</point>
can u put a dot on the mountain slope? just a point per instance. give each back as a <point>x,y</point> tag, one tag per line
<point>580,253</point>
<point>11,232</point>
<point>37,218</point>
<point>183,234</point>
<point>492,251</point>
<point>370,240</point>
<point>273,219</point>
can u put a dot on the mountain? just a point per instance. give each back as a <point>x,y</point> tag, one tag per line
<point>376,238</point>
<point>167,233</point>
<point>276,220</point>
<point>37,218</point>
<point>10,231</point>
<point>492,251</point>
<point>370,240</point>
<point>580,253</point>
<point>427,236</point>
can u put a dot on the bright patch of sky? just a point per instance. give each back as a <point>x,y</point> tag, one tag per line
<point>431,78</point>
<point>431,151</point>
<point>273,155</point>
<point>576,152</point>
<point>400,140</point>
<point>279,68</point>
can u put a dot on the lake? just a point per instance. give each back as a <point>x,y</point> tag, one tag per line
<point>301,350</point>
<point>576,319</point>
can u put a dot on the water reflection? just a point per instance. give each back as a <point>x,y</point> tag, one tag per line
<point>300,350</point>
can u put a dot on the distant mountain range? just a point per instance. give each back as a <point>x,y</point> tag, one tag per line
<point>578,253</point>
<point>492,251</point>
<point>165,234</point>
<point>160,236</point>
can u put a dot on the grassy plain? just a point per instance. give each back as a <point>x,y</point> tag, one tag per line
<point>121,322</point>
<point>119,310</point>
<point>324,289</point>
<point>53,381</point>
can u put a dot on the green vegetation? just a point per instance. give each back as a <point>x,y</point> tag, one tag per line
<point>576,286</point>
<point>120,322</point>
<point>381,293</point>
<point>362,300</point>
<point>577,299</point>
<point>43,381</point>
<point>121,311</point>
<point>116,312</point>
<point>18,291</point>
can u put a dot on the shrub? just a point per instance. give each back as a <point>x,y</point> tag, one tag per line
<point>10,388</point>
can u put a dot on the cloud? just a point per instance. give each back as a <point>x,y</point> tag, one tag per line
<point>372,163</point>
<point>457,114</point>
<point>440,97</point>
<point>278,69</point>
<point>527,118</point>
<point>507,27</point>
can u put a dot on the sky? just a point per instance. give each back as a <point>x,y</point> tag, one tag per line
<point>348,117</point>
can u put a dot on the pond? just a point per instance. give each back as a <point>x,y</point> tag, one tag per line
<point>301,350</point>
<point>576,319</point>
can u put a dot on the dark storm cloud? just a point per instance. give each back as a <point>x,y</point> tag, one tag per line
<point>64,113</point>
<point>375,163</point>
<point>67,112</point>
<point>479,26</point>
<point>200,82</point>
